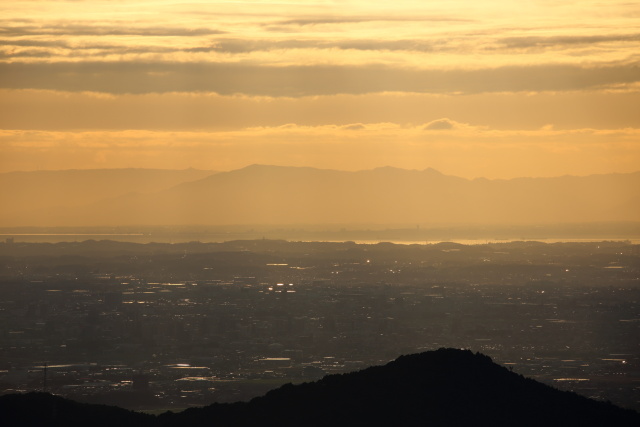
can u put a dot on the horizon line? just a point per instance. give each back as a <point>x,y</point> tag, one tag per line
<point>253,165</point>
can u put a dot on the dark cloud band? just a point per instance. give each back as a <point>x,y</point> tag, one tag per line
<point>159,77</point>
<point>320,20</point>
<point>95,30</point>
<point>564,41</point>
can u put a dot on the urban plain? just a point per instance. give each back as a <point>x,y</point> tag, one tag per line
<point>162,326</point>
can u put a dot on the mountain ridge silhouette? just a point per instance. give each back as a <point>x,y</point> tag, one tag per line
<point>445,387</point>
<point>264,194</point>
<point>439,388</point>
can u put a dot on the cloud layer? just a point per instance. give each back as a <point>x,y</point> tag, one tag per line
<point>166,83</point>
<point>258,80</point>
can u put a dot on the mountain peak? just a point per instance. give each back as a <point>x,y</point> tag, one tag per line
<point>432,171</point>
<point>442,387</point>
<point>437,388</point>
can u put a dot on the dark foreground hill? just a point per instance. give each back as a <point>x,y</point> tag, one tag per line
<point>43,409</point>
<point>446,387</point>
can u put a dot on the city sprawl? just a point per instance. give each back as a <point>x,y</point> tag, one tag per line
<point>175,325</point>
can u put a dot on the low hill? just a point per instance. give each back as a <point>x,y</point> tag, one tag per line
<point>43,409</point>
<point>447,387</point>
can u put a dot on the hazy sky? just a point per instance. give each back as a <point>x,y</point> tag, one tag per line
<point>471,88</point>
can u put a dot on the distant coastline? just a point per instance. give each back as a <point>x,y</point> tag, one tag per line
<point>177,237</point>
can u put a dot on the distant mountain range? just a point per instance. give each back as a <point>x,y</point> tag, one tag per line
<point>29,198</point>
<point>447,387</point>
<point>261,194</point>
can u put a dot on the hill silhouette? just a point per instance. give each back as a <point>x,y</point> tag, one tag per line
<point>43,409</point>
<point>447,387</point>
<point>260,194</point>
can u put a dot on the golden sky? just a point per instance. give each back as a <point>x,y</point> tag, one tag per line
<point>493,88</point>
